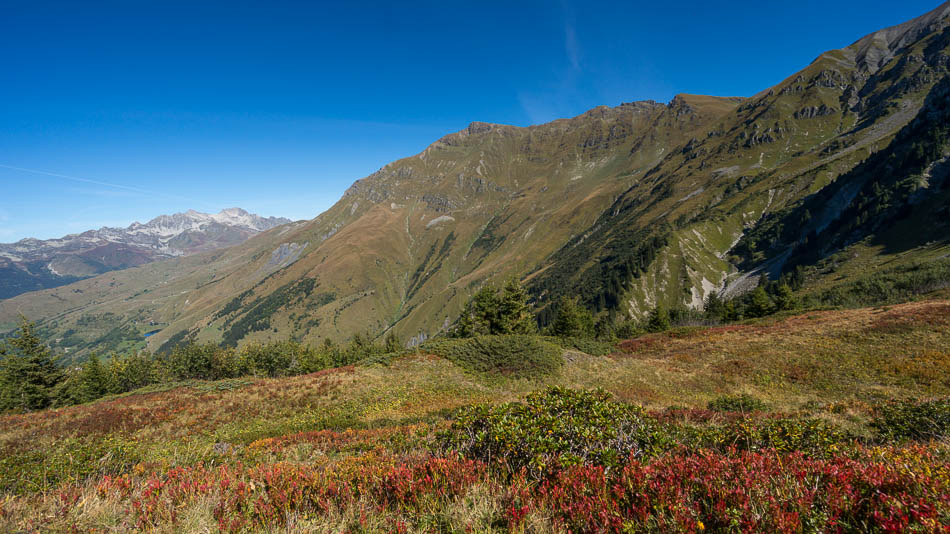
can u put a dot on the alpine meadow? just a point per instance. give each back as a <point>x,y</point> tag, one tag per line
<point>716,314</point>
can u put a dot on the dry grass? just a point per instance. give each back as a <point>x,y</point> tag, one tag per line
<point>834,364</point>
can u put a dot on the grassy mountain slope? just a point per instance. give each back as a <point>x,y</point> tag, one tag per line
<point>772,152</point>
<point>407,244</point>
<point>628,207</point>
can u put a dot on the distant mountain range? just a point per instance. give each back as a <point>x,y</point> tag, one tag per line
<point>841,170</point>
<point>32,264</point>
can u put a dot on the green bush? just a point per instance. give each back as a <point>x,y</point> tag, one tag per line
<point>911,420</point>
<point>205,361</point>
<point>810,436</point>
<point>514,356</point>
<point>587,346</point>
<point>737,403</point>
<point>555,428</point>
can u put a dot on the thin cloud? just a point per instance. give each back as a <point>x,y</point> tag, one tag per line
<point>558,98</point>
<point>571,46</point>
<point>126,188</point>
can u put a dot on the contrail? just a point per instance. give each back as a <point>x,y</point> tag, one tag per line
<point>98,182</point>
<point>76,178</point>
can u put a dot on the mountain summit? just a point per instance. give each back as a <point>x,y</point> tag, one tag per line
<point>31,264</point>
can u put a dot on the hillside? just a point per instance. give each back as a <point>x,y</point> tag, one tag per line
<point>236,454</point>
<point>630,207</point>
<point>33,264</point>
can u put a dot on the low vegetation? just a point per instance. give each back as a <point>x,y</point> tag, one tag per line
<point>827,421</point>
<point>515,356</point>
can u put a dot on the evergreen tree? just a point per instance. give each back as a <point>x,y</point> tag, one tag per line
<point>496,312</point>
<point>659,319</point>
<point>572,320</point>
<point>479,315</point>
<point>715,307</point>
<point>604,327</point>
<point>28,372</point>
<point>729,311</point>
<point>784,298</point>
<point>131,371</point>
<point>86,383</point>
<point>760,304</point>
<point>95,380</point>
<point>514,315</point>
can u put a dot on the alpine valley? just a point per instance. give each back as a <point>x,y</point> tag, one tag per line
<point>835,173</point>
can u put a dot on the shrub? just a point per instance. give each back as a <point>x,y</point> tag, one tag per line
<point>515,356</point>
<point>812,437</point>
<point>281,358</point>
<point>587,346</point>
<point>205,361</point>
<point>747,492</point>
<point>910,420</point>
<point>737,403</point>
<point>555,428</point>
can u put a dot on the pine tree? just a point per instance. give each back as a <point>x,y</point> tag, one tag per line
<point>130,372</point>
<point>514,314</point>
<point>784,298</point>
<point>496,312</point>
<point>573,320</point>
<point>659,320</point>
<point>94,377</point>
<point>84,384</point>
<point>715,307</point>
<point>761,305</point>
<point>479,315</point>
<point>28,372</point>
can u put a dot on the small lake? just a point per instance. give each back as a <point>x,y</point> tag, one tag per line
<point>153,332</point>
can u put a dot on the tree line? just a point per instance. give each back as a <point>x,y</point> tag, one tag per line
<point>31,379</point>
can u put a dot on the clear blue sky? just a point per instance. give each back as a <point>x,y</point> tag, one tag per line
<point>138,108</point>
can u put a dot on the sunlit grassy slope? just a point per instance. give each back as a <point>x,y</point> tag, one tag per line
<point>830,364</point>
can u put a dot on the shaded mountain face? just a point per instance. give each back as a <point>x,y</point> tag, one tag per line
<point>33,264</point>
<point>627,207</point>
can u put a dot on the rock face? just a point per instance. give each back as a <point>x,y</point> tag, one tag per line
<point>32,264</point>
<point>874,51</point>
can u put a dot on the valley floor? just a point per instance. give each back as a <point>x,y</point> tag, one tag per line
<point>358,448</point>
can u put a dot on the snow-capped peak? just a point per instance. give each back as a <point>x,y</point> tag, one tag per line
<point>157,233</point>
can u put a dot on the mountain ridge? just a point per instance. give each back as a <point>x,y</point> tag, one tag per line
<point>629,207</point>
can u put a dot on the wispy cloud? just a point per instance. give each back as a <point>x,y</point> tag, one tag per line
<point>571,46</point>
<point>106,193</point>
<point>558,99</point>
<point>74,178</point>
<point>117,189</point>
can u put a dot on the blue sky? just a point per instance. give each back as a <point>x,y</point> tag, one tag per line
<point>112,112</point>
